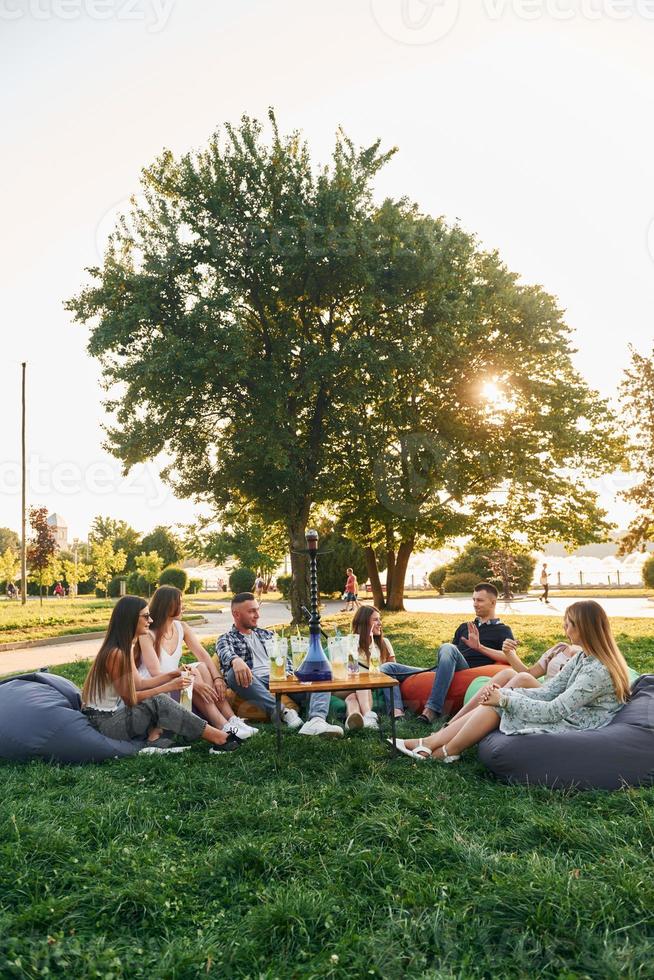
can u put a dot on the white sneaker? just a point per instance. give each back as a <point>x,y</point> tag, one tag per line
<point>354,721</point>
<point>291,718</point>
<point>244,727</point>
<point>370,720</point>
<point>318,726</point>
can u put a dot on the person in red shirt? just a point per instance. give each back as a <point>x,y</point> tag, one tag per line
<point>350,593</point>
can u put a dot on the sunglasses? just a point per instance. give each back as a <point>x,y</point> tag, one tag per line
<point>145,616</point>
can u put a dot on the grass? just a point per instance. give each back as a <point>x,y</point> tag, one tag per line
<point>63,617</point>
<point>332,862</point>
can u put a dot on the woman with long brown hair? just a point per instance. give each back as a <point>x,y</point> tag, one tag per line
<point>585,695</point>
<point>358,705</point>
<point>123,705</point>
<point>160,649</point>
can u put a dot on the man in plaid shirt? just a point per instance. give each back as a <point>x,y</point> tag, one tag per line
<point>246,669</point>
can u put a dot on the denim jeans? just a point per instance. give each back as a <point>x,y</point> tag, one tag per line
<point>258,693</point>
<point>450,660</point>
<point>156,712</point>
<point>401,672</point>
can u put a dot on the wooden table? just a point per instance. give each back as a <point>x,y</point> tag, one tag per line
<point>365,681</point>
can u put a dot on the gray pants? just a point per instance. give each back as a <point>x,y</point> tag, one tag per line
<point>161,711</point>
<point>258,693</point>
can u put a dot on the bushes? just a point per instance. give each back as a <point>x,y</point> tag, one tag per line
<point>242,580</point>
<point>113,589</point>
<point>174,576</point>
<point>195,586</point>
<point>474,560</point>
<point>284,585</point>
<point>437,577</point>
<point>138,585</point>
<point>460,582</point>
<point>648,572</point>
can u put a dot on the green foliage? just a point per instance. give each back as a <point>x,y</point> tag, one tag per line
<point>242,580</point>
<point>244,537</point>
<point>149,567</point>
<point>122,536</point>
<point>195,586</point>
<point>648,572</point>
<point>336,554</point>
<point>637,391</point>
<point>137,584</point>
<point>105,562</point>
<point>460,582</point>
<point>9,539</point>
<point>174,576</point>
<point>41,547</point>
<point>340,862</point>
<point>166,543</point>
<point>437,577</point>
<point>9,565</point>
<point>113,588</point>
<point>284,583</point>
<point>474,559</point>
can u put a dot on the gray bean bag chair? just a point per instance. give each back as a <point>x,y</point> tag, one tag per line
<point>620,754</point>
<point>40,718</point>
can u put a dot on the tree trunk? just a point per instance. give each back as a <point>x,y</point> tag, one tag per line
<point>395,591</point>
<point>373,575</point>
<point>299,593</point>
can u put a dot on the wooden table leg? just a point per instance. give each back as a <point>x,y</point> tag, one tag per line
<point>278,721</point>
<point>392,709</point>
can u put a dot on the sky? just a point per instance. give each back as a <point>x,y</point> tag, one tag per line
<point>529,121</point>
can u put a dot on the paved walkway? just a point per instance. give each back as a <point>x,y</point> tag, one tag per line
<point>277,612</point>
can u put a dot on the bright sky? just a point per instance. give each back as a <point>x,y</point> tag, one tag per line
<point>529,120</point>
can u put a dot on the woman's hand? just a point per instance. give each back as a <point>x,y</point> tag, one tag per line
<point>220,688</point>
<point>205,691</point>
<point>492,698</point>
<point>180,682</point>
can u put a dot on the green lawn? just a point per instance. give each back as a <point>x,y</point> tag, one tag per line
<point>334,862</point>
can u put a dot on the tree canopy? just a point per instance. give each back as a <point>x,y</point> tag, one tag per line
<point>637,392</point>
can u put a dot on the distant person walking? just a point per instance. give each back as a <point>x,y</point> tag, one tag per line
<point>258,586</point>
<point>545,584</point>
<point>350,595</point>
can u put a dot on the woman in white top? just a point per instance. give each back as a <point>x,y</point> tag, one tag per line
<point>160,650</point>
<point>519,675</point>
<point>124,705</point>
<point>358,705</point>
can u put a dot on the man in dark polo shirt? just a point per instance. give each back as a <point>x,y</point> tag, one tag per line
<point>475,644</point>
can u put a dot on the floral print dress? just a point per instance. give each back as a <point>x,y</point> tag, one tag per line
<point>580,697</point>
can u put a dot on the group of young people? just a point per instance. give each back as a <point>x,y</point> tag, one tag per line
<point>133,687</point>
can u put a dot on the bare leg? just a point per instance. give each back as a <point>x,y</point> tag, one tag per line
<point>365,701</point>
<point>214,735</point>
<point>437,739</point>
<point>209,709</point>
<point>477,725</point>
<point>501,679</point>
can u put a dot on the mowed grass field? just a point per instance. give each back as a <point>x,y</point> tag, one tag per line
<point>332,861</point>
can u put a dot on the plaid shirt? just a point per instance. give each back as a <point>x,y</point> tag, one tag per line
<point>233,644</point>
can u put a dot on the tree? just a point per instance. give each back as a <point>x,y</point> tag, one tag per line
<point>9,539</point>
<point>167,545</point>
<point>637,391</point>
<point>336,554</point>
<point>75,572</point>
<point>483,421</point>
<point>505,565</point>
<point>122,536</point>
<point>41,547</point>
<point>9,565</point>
<point>150,566</point>
<point>224,311</point>
<point>105,562</point>
<point>244,537</point>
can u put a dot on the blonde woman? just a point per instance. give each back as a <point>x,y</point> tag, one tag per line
<point>585,695</point>
<point>121,704</point>
<point>161,649</point>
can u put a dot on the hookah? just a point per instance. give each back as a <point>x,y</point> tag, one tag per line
<point>315,666</point>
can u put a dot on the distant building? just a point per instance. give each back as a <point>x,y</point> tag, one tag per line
<point>60,530</point>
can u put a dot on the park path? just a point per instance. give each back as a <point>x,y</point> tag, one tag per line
<point>273,613</point>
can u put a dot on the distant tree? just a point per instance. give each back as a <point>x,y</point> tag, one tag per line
<point>166,543</point>
<point>41,547</point>
<point>242,580</point>
<point>75,572</point>
<point>122,536</point>
<point>9,539</point>
<point>174,576</point>
<point>149,566</point>
<point>336,554</point>
<point>9,565</point>
<point>243,537</point>
<point>648,572</point>
<point>105,562</point>
<point>637,391</point>
<point>508,566</point>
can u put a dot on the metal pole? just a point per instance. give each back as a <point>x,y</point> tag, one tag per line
<point>23,543</point>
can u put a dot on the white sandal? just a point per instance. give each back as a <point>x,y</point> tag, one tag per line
<point>445,757</point>
<point>420,753</point>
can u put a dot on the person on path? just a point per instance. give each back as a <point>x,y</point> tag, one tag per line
<point>246,668</point>
<point>123,705</point>
<point>584,696</point>
<point>545,585</point>
<point>350,595</point>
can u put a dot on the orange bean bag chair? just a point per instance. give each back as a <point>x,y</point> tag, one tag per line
<point>417,688</point>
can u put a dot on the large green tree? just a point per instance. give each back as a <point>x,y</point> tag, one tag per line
<point>9,539</point>
<point>228,314</point>
<point>243,536</point>
<point>165,542</point>
<point>122,536</point>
